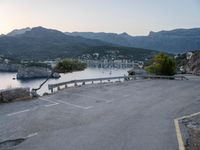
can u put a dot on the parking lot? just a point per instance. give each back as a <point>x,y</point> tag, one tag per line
<point>131,115</point>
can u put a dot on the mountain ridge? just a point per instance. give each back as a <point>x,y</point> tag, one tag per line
<point>41,43</point>
<point>173,41</point>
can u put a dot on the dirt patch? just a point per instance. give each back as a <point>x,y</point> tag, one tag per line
<point>192,127</point>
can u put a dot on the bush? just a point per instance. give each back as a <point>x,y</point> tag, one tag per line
<point>69,65</point>
<point>162,64</point>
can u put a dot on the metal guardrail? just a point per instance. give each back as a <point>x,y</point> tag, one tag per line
<point>133,77</point>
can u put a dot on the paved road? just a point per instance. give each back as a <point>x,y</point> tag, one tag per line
<point>134,115</point>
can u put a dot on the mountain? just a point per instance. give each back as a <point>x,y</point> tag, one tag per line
<point>120,39</point>
<point>41,44</point>
<point>17,32</point>
<point>174,41</point>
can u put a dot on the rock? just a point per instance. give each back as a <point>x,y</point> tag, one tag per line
<point>56,75</point>
<point>193,65</point>
<point>30,72</point>
<point>45,94</point>
<point>131,72</point>
<point>13,94</point>
<point>189,63</point>
<point>9,67</point>
<point>34,93</point>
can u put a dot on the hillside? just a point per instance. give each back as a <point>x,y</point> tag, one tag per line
<point>189,62</point>
<point>174,41</point>
<point>41,44</point>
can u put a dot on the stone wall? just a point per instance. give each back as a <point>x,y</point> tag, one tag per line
<point>14,94</point>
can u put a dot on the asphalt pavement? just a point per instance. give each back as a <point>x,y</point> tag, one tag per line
<point>133,115</point>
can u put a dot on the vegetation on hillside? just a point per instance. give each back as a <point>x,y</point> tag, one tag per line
<point>162,64</point>
<point>69,65</point>
<point>45,44</point>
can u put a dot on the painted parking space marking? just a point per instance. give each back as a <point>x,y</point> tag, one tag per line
<point>49,105</point>
<point>31,135</point>
<point>91,97</point>
<point>47,100</point>
<point>74,105</point>
<point>178,130</point>
<point>64,102</point>
<point>34,108</point>
<point>107,102</point>
<point>18,112</point>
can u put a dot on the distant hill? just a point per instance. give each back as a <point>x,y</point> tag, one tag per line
<point>174,41</point>
<point>41,44</point>
<point>120,39</point>
<point>17,32</point>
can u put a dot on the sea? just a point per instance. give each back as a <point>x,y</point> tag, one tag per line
<point>8,80</point>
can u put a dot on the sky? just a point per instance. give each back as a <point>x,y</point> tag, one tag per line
<point>136,17</point>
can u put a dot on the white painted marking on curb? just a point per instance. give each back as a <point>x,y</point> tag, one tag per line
<point>31,135</point>
<point>178,130</point>
<point>188,116</point>
<point>18,112</point>
<point>77,106</point>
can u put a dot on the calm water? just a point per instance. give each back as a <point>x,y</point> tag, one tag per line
<point>7,81</point>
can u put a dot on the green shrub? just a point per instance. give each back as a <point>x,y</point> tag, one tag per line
<point>69,65</point>
<point>162,64</point>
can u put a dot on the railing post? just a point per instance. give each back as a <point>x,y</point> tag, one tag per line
<point>65,85</point>
<point>51,89</point>
<point>75,84</point>
<point>58,88</point>
<point>83,83</point>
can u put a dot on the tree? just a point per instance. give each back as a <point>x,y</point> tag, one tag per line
<point>162,64</point>
<point>69,65</point>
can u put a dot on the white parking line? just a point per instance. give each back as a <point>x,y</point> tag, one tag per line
<point>18,112</point>
<point>102,99</point>
<point>31,135</point>
<point>107,102</point>
<point>49,105</point>
<point>77,106</point>
<point>47,100</point>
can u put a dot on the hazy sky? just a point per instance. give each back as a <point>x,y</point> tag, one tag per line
<point>136,17</point>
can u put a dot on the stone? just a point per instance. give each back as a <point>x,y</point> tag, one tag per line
<point>193,65</point>
<point>194,138</point>
<point>14,94</point>
<point>9,67</point>
<point>30,72</point>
